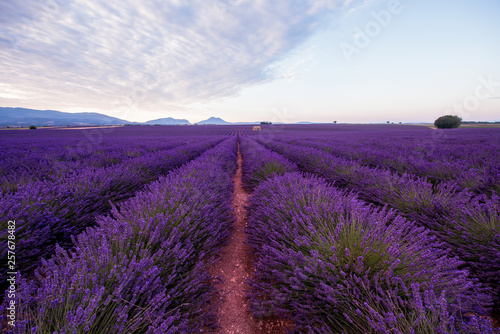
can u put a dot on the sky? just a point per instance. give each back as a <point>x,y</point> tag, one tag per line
<point>254,60</point>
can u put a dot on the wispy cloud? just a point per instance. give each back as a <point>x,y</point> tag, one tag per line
<point>149,54</point>
<point>7,92</point>
<point>358,6</point>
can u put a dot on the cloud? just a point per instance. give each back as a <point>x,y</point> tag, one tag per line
<point>7,92</point>
<point>150,54</point>
<point>357,6</point>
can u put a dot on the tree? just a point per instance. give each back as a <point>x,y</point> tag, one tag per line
<point>32,127</point>
<point>448,122</point>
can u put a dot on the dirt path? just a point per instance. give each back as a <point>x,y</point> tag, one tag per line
<point>235,267</point>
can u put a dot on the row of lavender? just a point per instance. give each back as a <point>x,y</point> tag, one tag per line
<point>47,154</point>
<point>334,264</point>
<point>483,178</point>
<point>468,223</point>
<point>143,270</point>
<point>50,212</point>
<point>47,159</point>
<point>259,163</point>
<point>338,265</point>
<point>469,156</point>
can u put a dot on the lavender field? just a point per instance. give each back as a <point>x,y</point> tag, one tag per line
<point>350,228</point>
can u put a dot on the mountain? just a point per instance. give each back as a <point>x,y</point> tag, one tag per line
<point>27,117</point>
<point>214,120</point>
<point>168,121</point>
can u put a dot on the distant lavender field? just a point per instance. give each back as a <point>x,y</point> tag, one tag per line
<point>353,228</point>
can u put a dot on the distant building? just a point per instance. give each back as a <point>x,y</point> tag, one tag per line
<point>256,128</point>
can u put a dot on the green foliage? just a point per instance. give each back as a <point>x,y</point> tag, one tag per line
<point>32,127</point>
<point>267,170</point>
<point>448,122</point>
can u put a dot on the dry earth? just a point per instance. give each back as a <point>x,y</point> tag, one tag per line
<point>235,266</point>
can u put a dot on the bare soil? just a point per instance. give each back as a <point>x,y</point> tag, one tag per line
<point>235,267</point>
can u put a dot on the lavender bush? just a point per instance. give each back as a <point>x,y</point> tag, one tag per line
<point>323,257</point>
<point>47,212</point>
<point>469,156</point>
<point>142,270</point>
<point>334,264</point>
<point>48,160</point>
<point>468,223</point>
<point>260,163</point>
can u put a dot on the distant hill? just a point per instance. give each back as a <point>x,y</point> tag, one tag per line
<point>214,120</point>
<point>27,117</point>
<point>168,121</point>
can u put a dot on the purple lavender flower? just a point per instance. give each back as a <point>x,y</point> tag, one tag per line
<point>355,258</point>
